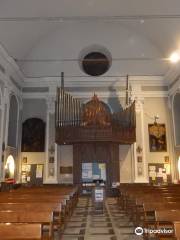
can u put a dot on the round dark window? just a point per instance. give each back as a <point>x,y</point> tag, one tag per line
<point>95,63</point>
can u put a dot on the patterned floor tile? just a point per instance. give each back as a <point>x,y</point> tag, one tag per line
<point>88,224</point>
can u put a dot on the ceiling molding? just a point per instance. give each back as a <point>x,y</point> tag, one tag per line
<point>175,87</point>
<point>117,18</point>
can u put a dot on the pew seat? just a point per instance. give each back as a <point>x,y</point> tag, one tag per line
<point>21,231</point>
<point>177,230</point>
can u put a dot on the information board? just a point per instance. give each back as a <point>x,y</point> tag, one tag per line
<point>99,195</point>
<point>93,171</point>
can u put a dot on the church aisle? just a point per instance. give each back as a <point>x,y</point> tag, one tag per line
<point>87,224</point>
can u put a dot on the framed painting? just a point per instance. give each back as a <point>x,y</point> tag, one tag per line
<point>24,160</point>
<point>33,135</point>
<point>157,137</point>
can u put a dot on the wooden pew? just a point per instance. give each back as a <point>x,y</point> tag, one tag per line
<point>133,196</point>
<point>146,214</point>
<point>55,200</point>
<point>20,231</point>
<point>165,219</point>
<point>167,216</point>
<point>65,200</point>
<point>26,206</point>
<point>177,230</point>
<point>43,218</point>
<point>35,207</point>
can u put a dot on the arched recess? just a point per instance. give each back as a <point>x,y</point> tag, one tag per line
<point>1,120</point>
<point>13,119</point>
<point>33,135</point>
<point>10,167</point>
<point>0,116</point>
<point>176,118</point>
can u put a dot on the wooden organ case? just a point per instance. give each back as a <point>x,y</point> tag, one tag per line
<point>92,122</point>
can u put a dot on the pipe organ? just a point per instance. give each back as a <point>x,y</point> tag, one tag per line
<point>92,122</point>
<point>68,109</point>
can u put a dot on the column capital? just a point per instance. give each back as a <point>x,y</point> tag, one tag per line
<point>6,95</point>
<point>139,102</point>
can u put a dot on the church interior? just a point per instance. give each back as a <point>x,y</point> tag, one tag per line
<point>89,119</point>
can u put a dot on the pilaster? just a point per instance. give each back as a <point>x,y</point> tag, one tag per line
<point>50,175</point>
<point>139,147</point>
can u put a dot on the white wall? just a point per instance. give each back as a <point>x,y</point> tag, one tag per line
<point>34,108</point>
<point>152,106</point>
<point>125,163</point>
<point>69,39</point>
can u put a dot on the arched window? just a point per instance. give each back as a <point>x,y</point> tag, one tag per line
<point>33,135</point>
<point>13,115</point>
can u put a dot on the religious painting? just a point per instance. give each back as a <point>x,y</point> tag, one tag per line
<point>157,137</point>
<point>33,135</point>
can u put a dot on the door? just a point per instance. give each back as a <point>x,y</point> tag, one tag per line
<point>36,174</point>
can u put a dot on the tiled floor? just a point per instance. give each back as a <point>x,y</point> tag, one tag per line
<point>87,223</point>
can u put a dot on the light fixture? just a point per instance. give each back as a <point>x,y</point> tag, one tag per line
<point>174,57</point>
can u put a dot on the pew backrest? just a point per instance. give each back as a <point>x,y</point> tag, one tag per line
<point>177,230</point>
<point>20,231</point>
<point>167,215</point>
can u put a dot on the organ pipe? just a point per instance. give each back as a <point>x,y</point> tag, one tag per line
<point>69,112</point>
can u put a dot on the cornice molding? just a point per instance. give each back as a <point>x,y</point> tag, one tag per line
<point>53,82</point>
<point>9,84</point>
<point>175,87</point>
<point>172,74</point>
<point>87,95</point>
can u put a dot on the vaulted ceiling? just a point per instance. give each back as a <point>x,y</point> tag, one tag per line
<point>139,34</point>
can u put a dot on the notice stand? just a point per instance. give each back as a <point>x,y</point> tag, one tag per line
<point>98,198</point>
